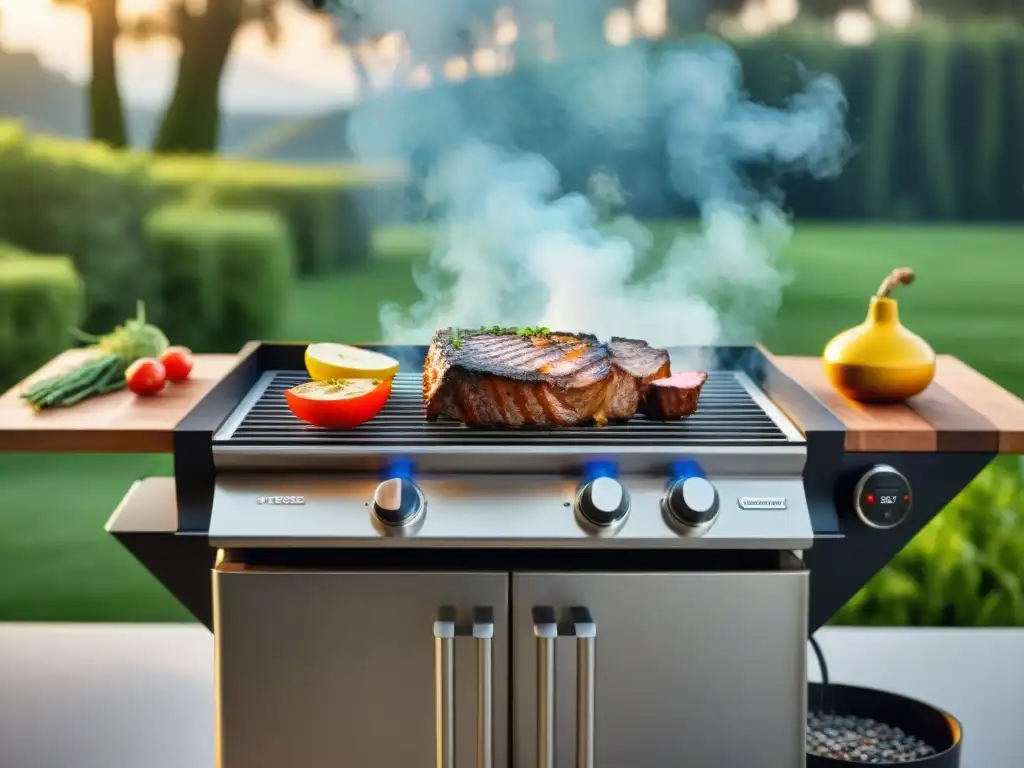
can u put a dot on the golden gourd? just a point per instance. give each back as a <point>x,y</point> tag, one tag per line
<point>880,361</point>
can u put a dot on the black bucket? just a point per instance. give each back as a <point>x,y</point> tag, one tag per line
<point>936,728</point>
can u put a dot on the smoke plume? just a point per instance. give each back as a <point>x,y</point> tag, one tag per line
<point>516,250</point>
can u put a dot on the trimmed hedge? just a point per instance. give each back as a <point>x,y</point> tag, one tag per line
<point>226,275</point>
<point>90,202</point>
<point>321,206</point>
<point>93,203</point>
<point>41,299</point>
<point>83,200</point>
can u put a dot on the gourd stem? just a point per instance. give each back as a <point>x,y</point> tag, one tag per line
<point>899,276</point>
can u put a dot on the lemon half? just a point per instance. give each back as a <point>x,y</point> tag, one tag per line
<point>340,361</point>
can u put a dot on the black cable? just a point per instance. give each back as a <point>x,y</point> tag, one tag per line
<point>823,668</point>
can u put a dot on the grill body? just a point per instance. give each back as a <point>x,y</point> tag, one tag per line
<point>501,630</point>
<point>376,635</point>
<point>504,488</point>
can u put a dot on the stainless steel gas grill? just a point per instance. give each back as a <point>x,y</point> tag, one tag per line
<point>467,486</point>
<point>425,595</point>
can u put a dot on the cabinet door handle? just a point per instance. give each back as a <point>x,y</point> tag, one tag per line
<point>483,633</point>
<point>585,629</point>
<point>546,631</point>
<point>444,687</point>
<point>445,632</point>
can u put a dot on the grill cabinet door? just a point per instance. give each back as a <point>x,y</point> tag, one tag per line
<point>690,670</point>
<point>328,669</point>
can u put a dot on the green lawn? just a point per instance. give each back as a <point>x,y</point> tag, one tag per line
<point>56,562</point>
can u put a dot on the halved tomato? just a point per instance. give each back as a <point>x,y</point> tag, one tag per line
<point>340,403</point>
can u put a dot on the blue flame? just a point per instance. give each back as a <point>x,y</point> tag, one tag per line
<point>685,469</point>
<point>402,468</point>
<point>596,469</point>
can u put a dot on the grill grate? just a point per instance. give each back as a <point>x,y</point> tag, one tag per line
<point>727,416</point>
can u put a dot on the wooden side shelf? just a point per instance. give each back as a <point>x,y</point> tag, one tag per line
<point>961,411</point>
<point>114,423</point>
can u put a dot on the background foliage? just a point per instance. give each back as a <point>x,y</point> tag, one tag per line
<point>92,203</point>
<point>936,114</point>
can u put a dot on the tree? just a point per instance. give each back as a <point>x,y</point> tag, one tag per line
<point>206,31</point>
<point>106,110</point>
<point>351,27</point>
<point>433,32</point>
<point>692,14</point>
<point>191,121</point>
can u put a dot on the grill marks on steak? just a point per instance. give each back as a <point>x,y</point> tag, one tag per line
<point>486,379</point>
<point>554,380</point>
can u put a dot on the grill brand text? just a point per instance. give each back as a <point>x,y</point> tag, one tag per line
<point>281,500</point>
<point>757,502</point>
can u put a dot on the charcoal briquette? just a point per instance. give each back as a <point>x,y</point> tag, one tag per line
<point>862,740</point>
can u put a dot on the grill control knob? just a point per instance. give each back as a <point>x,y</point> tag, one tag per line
<point>398,502</point>
<point>693,502</point>
<point>882,497</point>
<point>603,502</point>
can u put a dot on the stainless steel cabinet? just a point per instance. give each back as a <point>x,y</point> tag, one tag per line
<point>329,669</point>
<point>679,681</point>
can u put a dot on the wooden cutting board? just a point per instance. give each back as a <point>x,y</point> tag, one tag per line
<point>961,411</point>
<point>114,423</point>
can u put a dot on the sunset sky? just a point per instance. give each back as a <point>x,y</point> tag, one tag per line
<point>304,72</point>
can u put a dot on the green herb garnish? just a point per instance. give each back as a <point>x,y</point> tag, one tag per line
<point>458,336</point>
<point>498,330</point>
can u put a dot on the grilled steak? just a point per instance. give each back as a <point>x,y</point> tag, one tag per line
<point>635,366</point>
<point>501,378</point>
<point>674,397</point>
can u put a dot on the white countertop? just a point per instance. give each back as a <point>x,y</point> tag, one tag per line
<point>134,696</point>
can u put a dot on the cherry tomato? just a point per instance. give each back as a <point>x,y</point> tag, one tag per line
<point>145,376</point>
<point>338,404</point>
<point>177,362</point>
